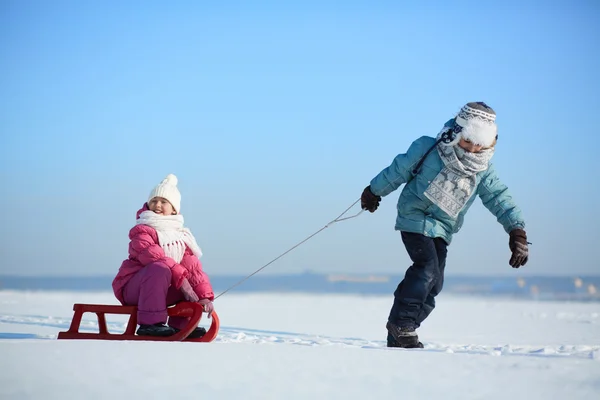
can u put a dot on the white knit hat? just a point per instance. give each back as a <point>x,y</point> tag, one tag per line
<point>168,189</point>
<point>477,122</point>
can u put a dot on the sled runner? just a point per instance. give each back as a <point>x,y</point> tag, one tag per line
<point>183,309</point>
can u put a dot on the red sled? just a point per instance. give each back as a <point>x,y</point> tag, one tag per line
<point>183,309</point>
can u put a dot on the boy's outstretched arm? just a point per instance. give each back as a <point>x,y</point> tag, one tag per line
<point>496,198</point>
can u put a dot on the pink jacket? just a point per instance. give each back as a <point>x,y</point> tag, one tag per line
<point>144,249</point>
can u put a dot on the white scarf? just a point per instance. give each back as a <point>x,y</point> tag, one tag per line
<point>454,185</point>
<point>172,236</point>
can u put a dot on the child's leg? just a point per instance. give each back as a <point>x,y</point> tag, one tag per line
<point>175,296</point>
<point>148,290</point>
<point>413,291</point>
<point>429,305</point>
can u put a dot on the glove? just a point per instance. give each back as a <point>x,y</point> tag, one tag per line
<point>188,291</point>
<point>518,246</point>
<point>208,306</point>
<point>368,201</point>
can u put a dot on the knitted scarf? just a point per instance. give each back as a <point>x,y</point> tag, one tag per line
<point>172,236</point>
<point>454,185</point>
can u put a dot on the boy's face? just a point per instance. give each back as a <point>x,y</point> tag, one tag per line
<point>470,146</point>
<point>161,206</point>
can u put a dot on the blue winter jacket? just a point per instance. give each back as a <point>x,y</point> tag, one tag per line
<point>416,213</point>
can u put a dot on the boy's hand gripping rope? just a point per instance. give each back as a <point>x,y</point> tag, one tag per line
<point>338,219</point>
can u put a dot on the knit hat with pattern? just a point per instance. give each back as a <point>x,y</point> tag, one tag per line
<point>476,122</point>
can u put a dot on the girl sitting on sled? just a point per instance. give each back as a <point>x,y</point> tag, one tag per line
<point>164,266</point>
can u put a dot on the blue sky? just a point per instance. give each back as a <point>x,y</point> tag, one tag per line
<point>276,115</point>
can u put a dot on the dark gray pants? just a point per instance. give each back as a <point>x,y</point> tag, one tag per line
<point>414,299</point>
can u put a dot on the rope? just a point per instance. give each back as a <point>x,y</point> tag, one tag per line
<point>338,219</point>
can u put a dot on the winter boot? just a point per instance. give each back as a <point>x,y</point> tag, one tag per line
<point>159,329</point>
<point>196,333</point>
<point>404,337</point>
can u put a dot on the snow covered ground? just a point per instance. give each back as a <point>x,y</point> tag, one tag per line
<point>294,346</point>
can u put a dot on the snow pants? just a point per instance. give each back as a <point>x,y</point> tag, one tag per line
<point>151,291</point>
<point>414,299</point>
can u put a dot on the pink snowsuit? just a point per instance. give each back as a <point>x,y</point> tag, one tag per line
<point>151,280</point>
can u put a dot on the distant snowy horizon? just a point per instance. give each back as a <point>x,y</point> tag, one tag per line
<point>522,273</point>
<point>573,288</point>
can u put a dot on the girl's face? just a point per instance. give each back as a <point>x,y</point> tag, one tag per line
<point>161,206</point>
<point>470,146</point>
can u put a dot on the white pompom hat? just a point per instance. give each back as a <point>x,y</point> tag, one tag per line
<point>476,122</point>
<point>168,189</point>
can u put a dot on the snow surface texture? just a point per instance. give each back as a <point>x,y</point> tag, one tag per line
<point>294,346</point>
